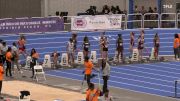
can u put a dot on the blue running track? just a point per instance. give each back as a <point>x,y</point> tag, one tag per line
<point>157,78</point>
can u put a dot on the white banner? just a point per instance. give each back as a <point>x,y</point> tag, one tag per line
<point>96,22</point>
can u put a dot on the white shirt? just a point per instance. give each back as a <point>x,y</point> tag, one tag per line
<point>14,49</point>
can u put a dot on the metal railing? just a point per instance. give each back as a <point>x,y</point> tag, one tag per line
<point>138,20</point>
<point>151,20</point>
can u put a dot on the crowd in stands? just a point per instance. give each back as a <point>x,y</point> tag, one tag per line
<point>106,10</point>
<point>142,10</point>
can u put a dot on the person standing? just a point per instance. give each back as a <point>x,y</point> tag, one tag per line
<point>70,51</point>
<point>141,46</point>
<point>105,73</point>
<point>119,47</point>
<point>1,77</point>
<point>88,70</point>
<point>15,55</point>
<point>8,61</point>
<point>86,46</point>
<point>156,45</point>
<point>22,48</point>
<point>132,43</point>
<point>176,45</point>
<point>34,56</point>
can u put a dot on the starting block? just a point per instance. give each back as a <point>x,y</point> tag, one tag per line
<point>93,57</point>
<point>80,58</point>
<point>28,61</point>
<point>152,57</point>
<point>115,57</point>
<point>47,61</point>
<point>64,60</point>
<point>135,55</point>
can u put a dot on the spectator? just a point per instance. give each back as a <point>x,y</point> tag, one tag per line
<point>149,17</point>
<point>90,11</point>
<point>136,9</point>
<point>143,11</point>
<point>155,10</point>
<point>113,10</point>
<point>105,10</point>
<point>118,11</point>
<point>150,10</point>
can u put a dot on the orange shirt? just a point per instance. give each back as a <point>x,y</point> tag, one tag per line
<point>92,95</point>
<point>35,55</point>
<point>1,73</point>
<point>176,43</point>
<point>88,67</point>
<point>8,56</point>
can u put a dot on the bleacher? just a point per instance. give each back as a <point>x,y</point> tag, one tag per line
<point>46,43</point>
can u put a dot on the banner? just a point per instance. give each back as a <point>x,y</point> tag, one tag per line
<point>31,25</point>
<point>96,22</point>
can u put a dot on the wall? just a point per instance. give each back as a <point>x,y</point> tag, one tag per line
<point>20,8</point>
<point>169,2</point>
<point>145,3</point>
<point>76,6</point>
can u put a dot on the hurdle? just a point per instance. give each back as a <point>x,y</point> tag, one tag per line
<point>175,90</point>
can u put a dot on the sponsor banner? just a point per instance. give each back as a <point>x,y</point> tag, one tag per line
<point>96,22</point>
<point>31,25</point>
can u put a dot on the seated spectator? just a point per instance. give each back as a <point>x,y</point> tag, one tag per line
<point>124,11</point>
<point>155,10</point>
<point>105,10</point>
<point>150,10</point>
<point>113,10</point>
<point>90,11</point>
<point>143,11</point>
<point>136,9</point>
<point>118,11</point>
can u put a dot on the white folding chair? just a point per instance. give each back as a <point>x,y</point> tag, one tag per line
<point>38,70</point>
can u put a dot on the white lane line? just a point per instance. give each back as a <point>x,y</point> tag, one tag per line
<point>172,64</point>
<point>154,69</point>
<point>134,80</point>
<point>119,82</point>
<point>157,65</point>
<point>116,87</point>
<point>119,68</point>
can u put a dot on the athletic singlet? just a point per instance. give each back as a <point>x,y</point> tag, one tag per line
<point>156,42</point>
<point>86,45</point>
<point>132,41</point>
<point>70,46</point>
<point>119,43</point>
<point>141,43</point>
